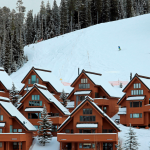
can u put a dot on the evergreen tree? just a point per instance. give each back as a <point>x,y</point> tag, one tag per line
<point>63,16</point>
<point>13,95</point>
<point>63,97</point>
<point>106,11</point>
<point>119,146</point>
<point>99,8</point>
<point>44,132</point>
<point>131,142</point>
<point>114,10</point>
<point>129,9</point>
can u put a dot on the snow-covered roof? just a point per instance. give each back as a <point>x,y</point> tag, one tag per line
<point>82,92</point>
<point>51,98</point>
<point>2,124</point>
<point>70,104</point>
<point>4,98</point>
<point>6,80</point>
<point>52,79</point>
<point>100,80</point>
<point>39,85</point>
<point>13,111</point>
<point>34,109</point>
<point>122,111</point>
<point>135,98</point>
<point>145,81</point>
<point>29,88</point>
<point>87,125</point>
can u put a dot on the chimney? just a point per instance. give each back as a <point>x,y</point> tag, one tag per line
<point>78,71</point>
<point>130,76</point>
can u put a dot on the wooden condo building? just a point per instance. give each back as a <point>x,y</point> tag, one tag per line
<point>31,105</point>
<point>94,85</point>
<point>135,104</point>
<point>88,127</point>
<point>16,132</point>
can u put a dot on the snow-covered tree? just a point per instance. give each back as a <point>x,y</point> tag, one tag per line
<point>63,97</point>
<point>44,132</point>
<point>131,143</point>
<point>13,95</point>
<point>119,145</point>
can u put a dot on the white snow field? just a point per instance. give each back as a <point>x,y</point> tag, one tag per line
<point>96,49</point>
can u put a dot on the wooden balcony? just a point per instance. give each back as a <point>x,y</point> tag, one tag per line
<point>84,137</point>
<point>101,102</point>
<point>12,137</point>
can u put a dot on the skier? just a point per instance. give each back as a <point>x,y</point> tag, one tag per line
<point>119,48</point>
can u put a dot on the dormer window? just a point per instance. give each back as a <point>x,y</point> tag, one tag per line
<point>33,80</point>
<point>137,85</point>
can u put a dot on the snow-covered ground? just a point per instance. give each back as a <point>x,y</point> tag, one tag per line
<point>53,145</point>
<point>94,49</point>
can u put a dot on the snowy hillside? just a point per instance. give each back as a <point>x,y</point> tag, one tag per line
<point>95,49</point>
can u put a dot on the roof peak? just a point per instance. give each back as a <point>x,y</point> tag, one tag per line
<point>91,72</point>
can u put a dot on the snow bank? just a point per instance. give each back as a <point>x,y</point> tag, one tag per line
<point>53,145</point>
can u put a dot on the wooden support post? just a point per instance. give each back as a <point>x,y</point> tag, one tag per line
<point>19,145</point>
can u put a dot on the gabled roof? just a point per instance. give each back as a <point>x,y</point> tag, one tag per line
<point>49,97</point>
<point>48,76</point>
<point>5,79</point>
<point>88,99</point>
<point>13,112</point>
<point>145,80</point>
<point>99,80</point>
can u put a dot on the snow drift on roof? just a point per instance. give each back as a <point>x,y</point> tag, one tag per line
<point>87,125</point>
<point>34,109</point>
<point>51,98</point>
<point>4,98</point>
<point>100,80</point>
<point>13,111</point>
<point>70,104</point>
<point>135,98</point>
<point>6,80</point>
<point>53,80</point>
<point>82,92</point>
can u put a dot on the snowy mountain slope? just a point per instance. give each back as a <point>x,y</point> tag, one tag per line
<point>94,49</point>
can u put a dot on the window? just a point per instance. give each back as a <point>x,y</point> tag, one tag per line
<point>87,145</point>
<point>137,85</point>
<point>140,115</point>
<point>87,118</point>
<point>19,130</point>
<point>135,104</point>
<point>35,103</point>
<point>84,86</point>
<point>96,95</point>
<point>80,130</point>
<point>93,145</point>
<point>107,146</point>
<point>35,97</point>
<point>33,79</point>
<point>136,92</point>
<point>130,104</point>
<point>1,130</point>
<point>83,80</point>
<point>1,117</point>
<point>29,81</point>
<point>1,144</point>
<point>105,109</point>
<point>104,131</point>
<point>110,131</point>
<point>36,126</point>
<point>87,111</point>
<point>130,115</point>
<point>54,128</point>
<point>14,130</point>
<point>82,98</point>
<point>135,115</point>
<point>67,131</point>
<point>33,116</point>
<point>80,145</point>
<point>11,128</point>
<point>37,80</point>
<point>16,145</point>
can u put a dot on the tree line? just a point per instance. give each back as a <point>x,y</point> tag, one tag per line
<point>18,31</point>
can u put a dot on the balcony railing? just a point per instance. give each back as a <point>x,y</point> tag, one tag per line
<point>85,137</point>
